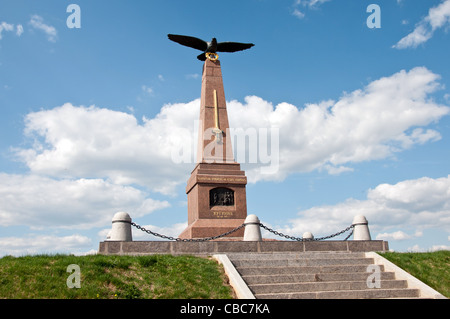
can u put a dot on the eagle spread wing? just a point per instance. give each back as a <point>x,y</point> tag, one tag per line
<point>233,46</point>
<point>188,41</point>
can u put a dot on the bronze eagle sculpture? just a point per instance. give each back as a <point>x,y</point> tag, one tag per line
<point>208,47</point>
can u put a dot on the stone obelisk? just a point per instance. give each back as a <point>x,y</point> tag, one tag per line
<point>216,189</point>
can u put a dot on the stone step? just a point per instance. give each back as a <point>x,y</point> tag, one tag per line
<point>301,262</point>
<point>247,271</point>
<point>295,255</point>
<point>312,277</point>
<point>330,275</point>
<point>323,286</point>
<point>375,293</point>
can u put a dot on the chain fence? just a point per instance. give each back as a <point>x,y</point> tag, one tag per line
<point>185,239</point>
<point>309,239</point>
<point>243,225</point>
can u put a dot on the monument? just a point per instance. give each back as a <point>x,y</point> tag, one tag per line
<point>216,190</point>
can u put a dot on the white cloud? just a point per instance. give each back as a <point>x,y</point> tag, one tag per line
<point>192,76</point>
<point>420,204</point>
<point>440,15</point>
<point>397,235</point>
<point>310,4</point>
<point>315,3</point>
<point>10,28</point>
<point>417,249</point>
<point>5,27</point>
<point>368,124</point>
<point>33,244</point>
<point>420,35</point>
<point>439,247</point>
<point>19,30</point>
<point>437,18</point>
<point>297,13</point>
<point>76,142</point>
<point>147,90</point>
<point>332,170</point>
<point>39,202</point>
<point>37,22</point>
<point>173,231</point>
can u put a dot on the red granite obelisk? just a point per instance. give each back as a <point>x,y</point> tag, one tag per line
<point>216,189</point>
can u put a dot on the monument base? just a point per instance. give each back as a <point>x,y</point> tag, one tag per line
<point>216,200</point>
<point>214,247</point>
<point>203,228</point>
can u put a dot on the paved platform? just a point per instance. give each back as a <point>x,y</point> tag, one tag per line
<point>217,247</point>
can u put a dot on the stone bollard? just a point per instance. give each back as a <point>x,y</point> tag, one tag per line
<point>252,229</point>
<point>308,236</point>
<point>121,227</point>
<point>361,228</point>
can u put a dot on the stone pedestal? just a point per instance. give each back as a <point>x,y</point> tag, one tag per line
<point>224,247</point>
<point>216,200</point>
<point>216,189</point>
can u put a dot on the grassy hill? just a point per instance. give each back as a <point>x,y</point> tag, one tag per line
<point>109,277</point>
<point>161,276</point>
<point>431,268</point>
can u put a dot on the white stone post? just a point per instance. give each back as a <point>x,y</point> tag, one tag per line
<point>121,227</point>
<point>361,228</point>
<point>308,236</point>
<point>252,229</point>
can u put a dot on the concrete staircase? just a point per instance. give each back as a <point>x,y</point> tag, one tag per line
<point>321,275</point>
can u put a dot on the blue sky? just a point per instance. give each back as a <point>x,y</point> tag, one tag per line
<point>90,116</point>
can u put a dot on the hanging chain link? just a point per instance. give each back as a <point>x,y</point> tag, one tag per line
<point>338,233</point>
<point>279,233</point>
<point>243,225</point>
<point>312,239</point>
<point>185,239</point>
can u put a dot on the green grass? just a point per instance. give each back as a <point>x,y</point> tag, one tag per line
<point>109,277</point>
<point>432,268</point>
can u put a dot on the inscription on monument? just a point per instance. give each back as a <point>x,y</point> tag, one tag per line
<point>221,196</point>
<point>221,179</point>
<point>223,214</point>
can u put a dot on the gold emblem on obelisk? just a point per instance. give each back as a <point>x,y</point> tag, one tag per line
<point>212,56</point>
<point>216,130</point>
